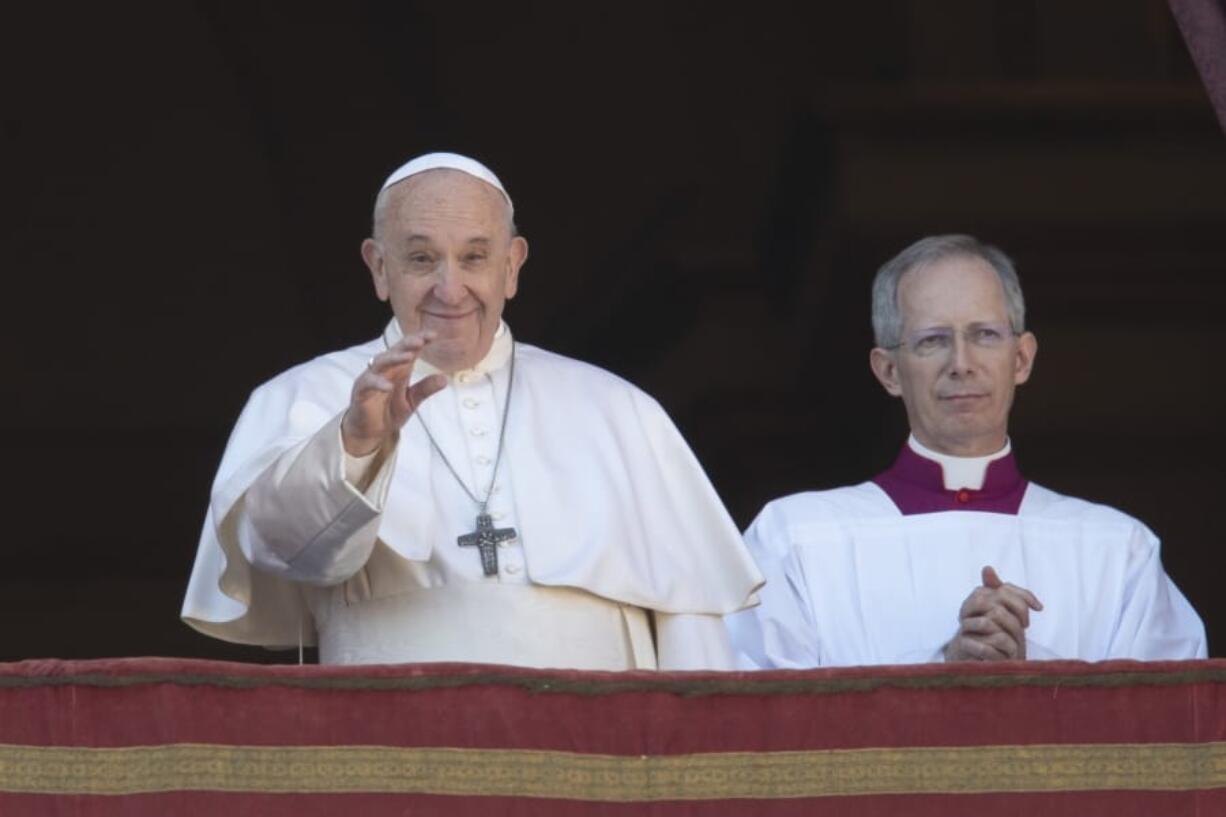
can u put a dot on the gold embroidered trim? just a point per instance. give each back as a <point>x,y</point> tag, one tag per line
<point>611,778</point>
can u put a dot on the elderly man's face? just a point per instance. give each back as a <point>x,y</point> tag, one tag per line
<point>447,261</point>
<point>959,361</point>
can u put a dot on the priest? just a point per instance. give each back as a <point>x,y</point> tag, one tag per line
<point>952,554</point>
<point>444,492</point>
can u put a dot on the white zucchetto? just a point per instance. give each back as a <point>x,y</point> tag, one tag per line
<point>447,161</point>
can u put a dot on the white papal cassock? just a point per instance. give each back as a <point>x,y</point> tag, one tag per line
<point>614,517</point>
<point>876,573</point>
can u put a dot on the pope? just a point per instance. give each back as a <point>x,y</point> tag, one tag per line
<point>444,492</point>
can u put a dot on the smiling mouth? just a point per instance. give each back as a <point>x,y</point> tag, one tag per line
<point>447,316</point>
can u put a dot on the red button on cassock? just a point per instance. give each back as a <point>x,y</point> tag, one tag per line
<point>964,495</point>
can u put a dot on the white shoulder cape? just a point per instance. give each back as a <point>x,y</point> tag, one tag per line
<point>609,497</point>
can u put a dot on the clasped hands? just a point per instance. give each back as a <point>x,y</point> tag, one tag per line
<point>992,622</point>
<point>382,400</point>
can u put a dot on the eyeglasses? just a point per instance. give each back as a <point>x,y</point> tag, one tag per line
<point>939,340</point>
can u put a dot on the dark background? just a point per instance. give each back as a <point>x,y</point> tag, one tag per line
<point>707,195</point>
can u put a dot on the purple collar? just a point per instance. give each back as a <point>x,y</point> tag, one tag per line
<point>917,485</point>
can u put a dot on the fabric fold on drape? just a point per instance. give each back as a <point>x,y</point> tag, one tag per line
<point>1203,25</point>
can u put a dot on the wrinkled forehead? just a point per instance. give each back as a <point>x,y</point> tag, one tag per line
<point>953,290</point>
<point>446,196</point>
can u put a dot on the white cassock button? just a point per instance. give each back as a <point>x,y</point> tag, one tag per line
<point>470,403</point>
<point>481,459</point>
<point>512,569</point>
<point>497,516</point>
<point>477,431</point>
<point>464,377</point>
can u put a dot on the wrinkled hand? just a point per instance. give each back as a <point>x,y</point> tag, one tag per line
<point>992,622</point>
<point>382,400</point>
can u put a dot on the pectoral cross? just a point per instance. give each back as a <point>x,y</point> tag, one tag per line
<point>486,538</point>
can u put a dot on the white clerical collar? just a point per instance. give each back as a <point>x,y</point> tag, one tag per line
<point>960,472</point>
<point>495,358</point>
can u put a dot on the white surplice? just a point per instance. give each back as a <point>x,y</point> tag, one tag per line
<point>614,517</point>
<point>852,580</point>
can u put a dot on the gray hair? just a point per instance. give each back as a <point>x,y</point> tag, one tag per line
<point>887,317</point>
<point>385,195</point>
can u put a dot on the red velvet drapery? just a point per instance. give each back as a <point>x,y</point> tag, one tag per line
<point>161,736</point>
